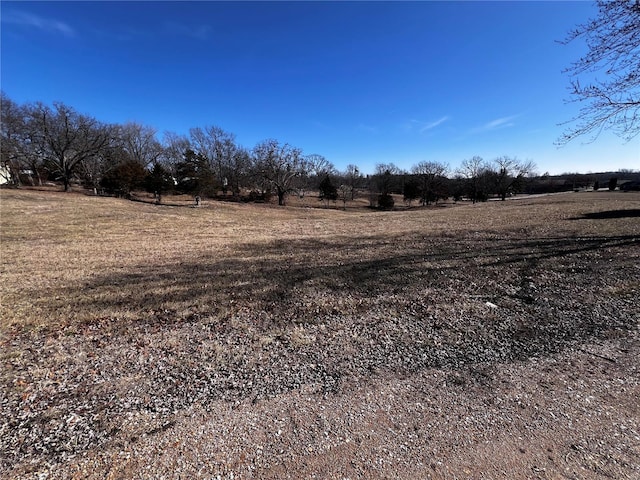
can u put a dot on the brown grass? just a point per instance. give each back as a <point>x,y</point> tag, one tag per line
<point>137,336</point>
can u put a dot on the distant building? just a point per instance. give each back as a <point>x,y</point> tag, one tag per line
<point>5,175</point>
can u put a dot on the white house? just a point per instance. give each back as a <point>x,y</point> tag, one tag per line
<point>5,175</point>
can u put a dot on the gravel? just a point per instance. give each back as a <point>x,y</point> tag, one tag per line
<point>468,356</point>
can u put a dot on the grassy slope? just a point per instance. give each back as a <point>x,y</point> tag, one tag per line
<point>317,298</point>
<point>64,257</point>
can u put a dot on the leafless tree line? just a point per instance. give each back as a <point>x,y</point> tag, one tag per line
<point>56,142</point>
<point>41,142</point>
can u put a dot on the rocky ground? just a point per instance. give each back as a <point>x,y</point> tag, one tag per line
<point>502,352</point>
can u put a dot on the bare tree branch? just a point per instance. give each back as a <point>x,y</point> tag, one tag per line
<point>611,101</point>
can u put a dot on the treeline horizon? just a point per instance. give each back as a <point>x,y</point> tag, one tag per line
<point>42,143</point>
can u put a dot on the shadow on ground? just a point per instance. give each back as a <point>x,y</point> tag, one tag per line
<point>316,313</point>
<point>268,275</point>
<point>611,214</point>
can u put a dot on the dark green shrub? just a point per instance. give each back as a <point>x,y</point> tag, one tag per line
<point>385,202</point>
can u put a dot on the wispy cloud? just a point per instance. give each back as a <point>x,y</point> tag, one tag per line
<point>422,127</point>
<point>498,123</point>
<point>30,20</point>
<point>431,125</point>
<point>200,32</point>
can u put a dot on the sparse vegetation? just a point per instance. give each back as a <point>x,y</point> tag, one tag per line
<point>466,340</point>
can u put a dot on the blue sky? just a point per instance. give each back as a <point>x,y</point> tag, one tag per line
<point>361,82</point>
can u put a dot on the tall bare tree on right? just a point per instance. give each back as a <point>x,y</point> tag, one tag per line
<point>611,100</point>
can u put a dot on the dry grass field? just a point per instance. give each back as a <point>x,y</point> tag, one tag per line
<point>497,340</point>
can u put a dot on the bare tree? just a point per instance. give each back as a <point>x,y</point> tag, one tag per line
<point>384,183</point>
<point>353,179</point>
<point>613,99</point>
<point>510,173</point>
<point>174,148</point>
<point>473,171</point>
<point>318,170</point>
<point>140,143</point>
<point>280,166</point>
<point>66,138</point>
<point>319,166</point>
<point>239,167</point>
<point>93,169</point>
<point>102,169</point>
<point>14,148</point>
<point>220,148</point>
<point>345,193</point>
<point>384,178</point>
<point>431,176</point>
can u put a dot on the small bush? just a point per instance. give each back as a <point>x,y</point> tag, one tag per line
<point>385,201</point>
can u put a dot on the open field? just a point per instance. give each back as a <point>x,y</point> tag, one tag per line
<point>496,340</point>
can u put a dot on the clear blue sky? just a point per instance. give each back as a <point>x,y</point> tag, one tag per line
<point>362,82</point>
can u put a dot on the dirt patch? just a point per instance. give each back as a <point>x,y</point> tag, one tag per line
<point>497,340</point>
